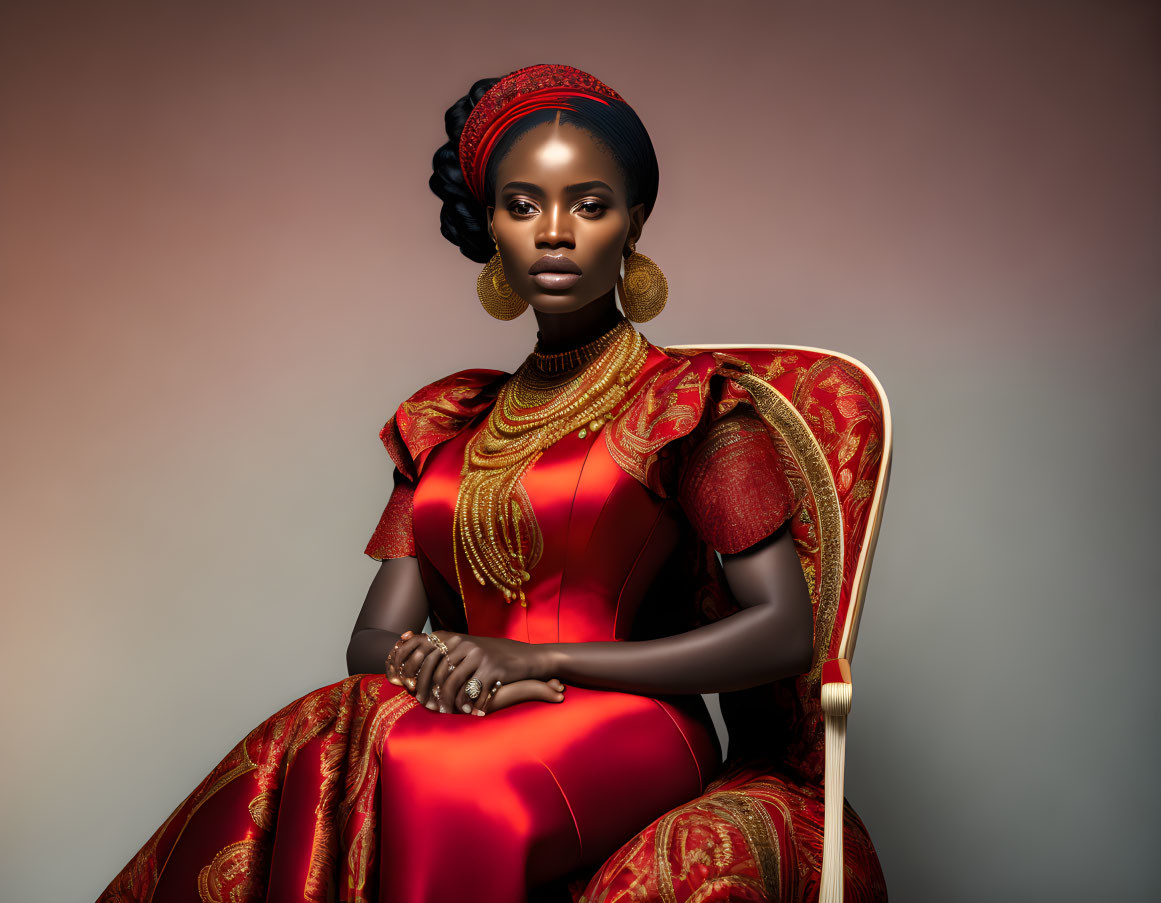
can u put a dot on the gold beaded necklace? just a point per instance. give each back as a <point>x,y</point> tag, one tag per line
<point>494,522</point>
<point>563,361</point>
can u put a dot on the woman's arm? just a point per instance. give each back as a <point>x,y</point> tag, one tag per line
<point>771,638</point>
<point>395,603</point>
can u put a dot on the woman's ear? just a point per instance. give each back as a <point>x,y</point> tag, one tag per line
<point>636,224</point>
<point>490,212</point>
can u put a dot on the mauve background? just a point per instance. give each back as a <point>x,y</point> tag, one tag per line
<point>222,271</point>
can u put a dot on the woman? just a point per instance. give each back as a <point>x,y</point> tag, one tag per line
<point>549,522</point>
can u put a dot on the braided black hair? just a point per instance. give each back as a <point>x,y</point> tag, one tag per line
<point>615,125</point>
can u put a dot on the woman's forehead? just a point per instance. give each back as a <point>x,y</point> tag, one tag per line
<point>558,151</point>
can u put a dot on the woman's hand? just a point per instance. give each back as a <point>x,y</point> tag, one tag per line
<point>438,680</point>
<point>528,690</point>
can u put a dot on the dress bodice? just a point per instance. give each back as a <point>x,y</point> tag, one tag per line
<point>605,538</point>
<point>631,516</point>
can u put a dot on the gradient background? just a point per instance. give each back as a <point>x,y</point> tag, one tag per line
<point>222,271</point>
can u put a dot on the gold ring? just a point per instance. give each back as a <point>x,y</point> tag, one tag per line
<point>492,692</point>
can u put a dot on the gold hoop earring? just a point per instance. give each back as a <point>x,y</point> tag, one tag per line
<point>643,287</point>
<point>496,295</point>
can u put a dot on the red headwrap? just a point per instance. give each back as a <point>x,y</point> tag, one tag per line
<point>540,87</point>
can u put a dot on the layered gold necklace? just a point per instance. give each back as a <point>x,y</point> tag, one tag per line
<point>548,397</point>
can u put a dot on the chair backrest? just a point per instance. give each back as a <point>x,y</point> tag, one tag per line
<point>834,418</point>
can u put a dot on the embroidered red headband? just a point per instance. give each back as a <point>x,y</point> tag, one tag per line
<point>540,87</point>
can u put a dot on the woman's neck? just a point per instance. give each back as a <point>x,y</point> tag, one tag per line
<point>563,332</point>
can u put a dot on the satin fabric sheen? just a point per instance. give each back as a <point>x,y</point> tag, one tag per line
<point>538,789</point>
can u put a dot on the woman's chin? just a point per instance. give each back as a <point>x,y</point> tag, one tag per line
<point>556,302</point>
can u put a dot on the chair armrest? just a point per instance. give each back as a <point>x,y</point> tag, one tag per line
<point>836,687</point>
<point>836,704</point>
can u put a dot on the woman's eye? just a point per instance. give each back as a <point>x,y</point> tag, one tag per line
<point>524,208</point>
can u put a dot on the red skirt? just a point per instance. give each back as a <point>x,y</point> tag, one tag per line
<point>355,792</point>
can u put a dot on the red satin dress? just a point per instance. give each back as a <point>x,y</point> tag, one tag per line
<point>533,791</point>
<point>357,792</point>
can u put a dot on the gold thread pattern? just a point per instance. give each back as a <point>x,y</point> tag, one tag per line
<point>669,404</point>
<point>235,875</point>
<point>776,410</point>
<point>754,835</point>
<point>352,722</point>
<point>362,796</point>
<point>734,484</point>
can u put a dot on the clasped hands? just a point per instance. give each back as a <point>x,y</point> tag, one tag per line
<point>438,681</point>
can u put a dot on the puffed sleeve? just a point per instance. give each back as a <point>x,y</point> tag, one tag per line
<point>732,482</point>
<point>431,415</point>
<point>392,537</point>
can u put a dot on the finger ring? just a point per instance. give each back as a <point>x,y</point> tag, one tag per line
<point>473,688</point>
<point>437,642</point>
<point>491,693</point>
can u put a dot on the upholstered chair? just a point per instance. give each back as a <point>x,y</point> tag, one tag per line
<point>774,825</point>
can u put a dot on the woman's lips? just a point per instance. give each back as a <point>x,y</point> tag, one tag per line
<point>550,280</point>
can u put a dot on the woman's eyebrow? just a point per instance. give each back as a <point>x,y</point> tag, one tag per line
<point>576,187</point>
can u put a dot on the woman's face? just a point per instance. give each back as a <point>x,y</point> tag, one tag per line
<point>560,195</point>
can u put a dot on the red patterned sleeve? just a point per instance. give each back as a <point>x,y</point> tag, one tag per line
<point>433,414</point>
<point>732,483</point>
<point>392,537</point>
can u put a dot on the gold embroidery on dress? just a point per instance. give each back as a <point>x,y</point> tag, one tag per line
<point>633,440</point>
<point>714,812</point>
<point>363,850</point>
<point>235,875</point>
<point>264,809</point>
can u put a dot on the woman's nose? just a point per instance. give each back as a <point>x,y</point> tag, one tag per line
<point>555,229</point>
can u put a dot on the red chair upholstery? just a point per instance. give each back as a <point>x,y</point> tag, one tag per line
<point>774,825</point>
